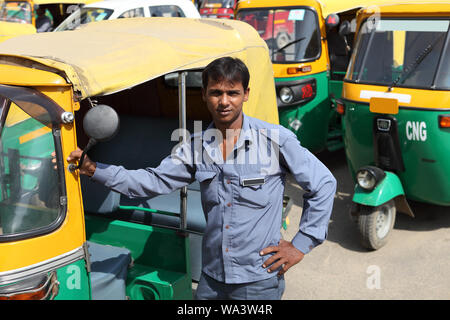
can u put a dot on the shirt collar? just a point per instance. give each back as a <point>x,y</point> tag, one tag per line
<point>244,136</point>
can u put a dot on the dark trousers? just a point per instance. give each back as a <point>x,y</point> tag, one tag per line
<point>268,289</point>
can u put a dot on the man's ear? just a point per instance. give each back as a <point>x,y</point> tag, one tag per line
<point>246,94</point>
<point>204,94</point>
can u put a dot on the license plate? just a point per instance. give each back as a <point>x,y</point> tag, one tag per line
<point>383,105</point>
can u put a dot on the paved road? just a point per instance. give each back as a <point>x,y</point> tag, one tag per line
<point>414,264</point>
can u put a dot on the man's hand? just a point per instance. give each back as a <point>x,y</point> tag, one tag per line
<point>87,167</point>
<point>286,255</point>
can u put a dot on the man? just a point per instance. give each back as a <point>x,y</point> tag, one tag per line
<point>43,23</point>
<point>244,256</point>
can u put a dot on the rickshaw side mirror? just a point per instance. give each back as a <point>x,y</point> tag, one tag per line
<point>101,123</point>
<point>332,20</point>
<point>345,28</point>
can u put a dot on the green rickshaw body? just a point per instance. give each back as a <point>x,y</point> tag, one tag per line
<point>424,147</point>
<point>303,121</point>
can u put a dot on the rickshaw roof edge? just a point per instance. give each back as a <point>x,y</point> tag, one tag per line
<point>437,7</point>
<point>105,57</point>
<point>327,6</point>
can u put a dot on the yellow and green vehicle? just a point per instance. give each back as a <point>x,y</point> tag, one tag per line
<point>396,114</point>
<point>310,58</point>
<point>64,237</point>
<point>18,17</point>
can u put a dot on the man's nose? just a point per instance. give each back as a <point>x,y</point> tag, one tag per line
<point>224,100</point>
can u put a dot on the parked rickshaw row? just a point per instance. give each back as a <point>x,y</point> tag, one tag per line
<point>374,80</point>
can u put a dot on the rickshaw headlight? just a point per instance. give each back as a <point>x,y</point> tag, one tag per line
<point>286,95</point>
<point>369,177</point>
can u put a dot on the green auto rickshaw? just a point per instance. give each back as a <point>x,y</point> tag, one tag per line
<point>396,114</point>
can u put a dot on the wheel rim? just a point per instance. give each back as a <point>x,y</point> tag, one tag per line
<point>383,221</point>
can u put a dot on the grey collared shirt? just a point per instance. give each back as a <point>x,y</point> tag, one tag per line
<point>242,197</point>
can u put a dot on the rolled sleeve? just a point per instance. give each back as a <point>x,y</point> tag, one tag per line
<point>304,243</point>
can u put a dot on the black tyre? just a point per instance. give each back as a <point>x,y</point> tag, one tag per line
<point>375,224</point>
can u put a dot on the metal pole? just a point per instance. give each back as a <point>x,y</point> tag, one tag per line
<point>182,125</point>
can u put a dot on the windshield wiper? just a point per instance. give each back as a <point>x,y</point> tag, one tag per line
<point>413,66</point>
<point>290,43</point>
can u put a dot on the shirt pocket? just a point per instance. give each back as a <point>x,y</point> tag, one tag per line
<point>253,192</point>
<point>209,186</point>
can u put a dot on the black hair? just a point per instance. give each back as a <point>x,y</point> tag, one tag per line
<point>226,69</point>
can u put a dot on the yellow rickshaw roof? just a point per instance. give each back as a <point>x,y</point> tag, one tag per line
<point>108,56</point>
<point>327,6</point>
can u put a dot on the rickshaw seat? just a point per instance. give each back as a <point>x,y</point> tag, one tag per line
<point>109,267</point>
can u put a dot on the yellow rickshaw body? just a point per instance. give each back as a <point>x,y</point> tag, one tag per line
<point>419,98</point>
<point>103,70</point>
<point>121,54</point>
<point>12,29</point>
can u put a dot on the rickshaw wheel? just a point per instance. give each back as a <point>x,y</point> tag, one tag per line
<point>376,223</point>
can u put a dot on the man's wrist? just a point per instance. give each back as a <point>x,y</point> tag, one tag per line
<point>91,169</point>
<point>304,243</point>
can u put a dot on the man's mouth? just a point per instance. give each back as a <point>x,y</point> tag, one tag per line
<point>224,112</point>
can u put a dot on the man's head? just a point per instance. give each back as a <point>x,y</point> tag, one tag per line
<point>226,69</point>
<point>225,89</point>
<point>40,11</point>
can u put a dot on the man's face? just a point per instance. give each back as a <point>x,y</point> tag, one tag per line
<point>224,100</point>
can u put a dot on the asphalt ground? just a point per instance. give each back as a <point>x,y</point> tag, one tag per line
<point>414,264</point>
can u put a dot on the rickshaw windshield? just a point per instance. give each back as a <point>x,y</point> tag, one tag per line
<point>218,4</point>
<point>292,35</point>
<point>403,53</point>
<point>29,182</point>
<point>16,11</point>
<point>84,15</point>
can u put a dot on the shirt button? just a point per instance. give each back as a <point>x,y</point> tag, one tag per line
<point>228,181</point>
<point>228,204</point>
<point>227,227</point>
<point>226,250</point>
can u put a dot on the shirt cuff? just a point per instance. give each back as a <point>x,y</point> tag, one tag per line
<point>304,243</point>
<point>101,173</point>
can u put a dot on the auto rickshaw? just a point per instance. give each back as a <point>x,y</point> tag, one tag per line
<point>18,17</point>
<point>65,237</point>
<point>396,115</point>
<point>309,59</point>
<point>221,9</point>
